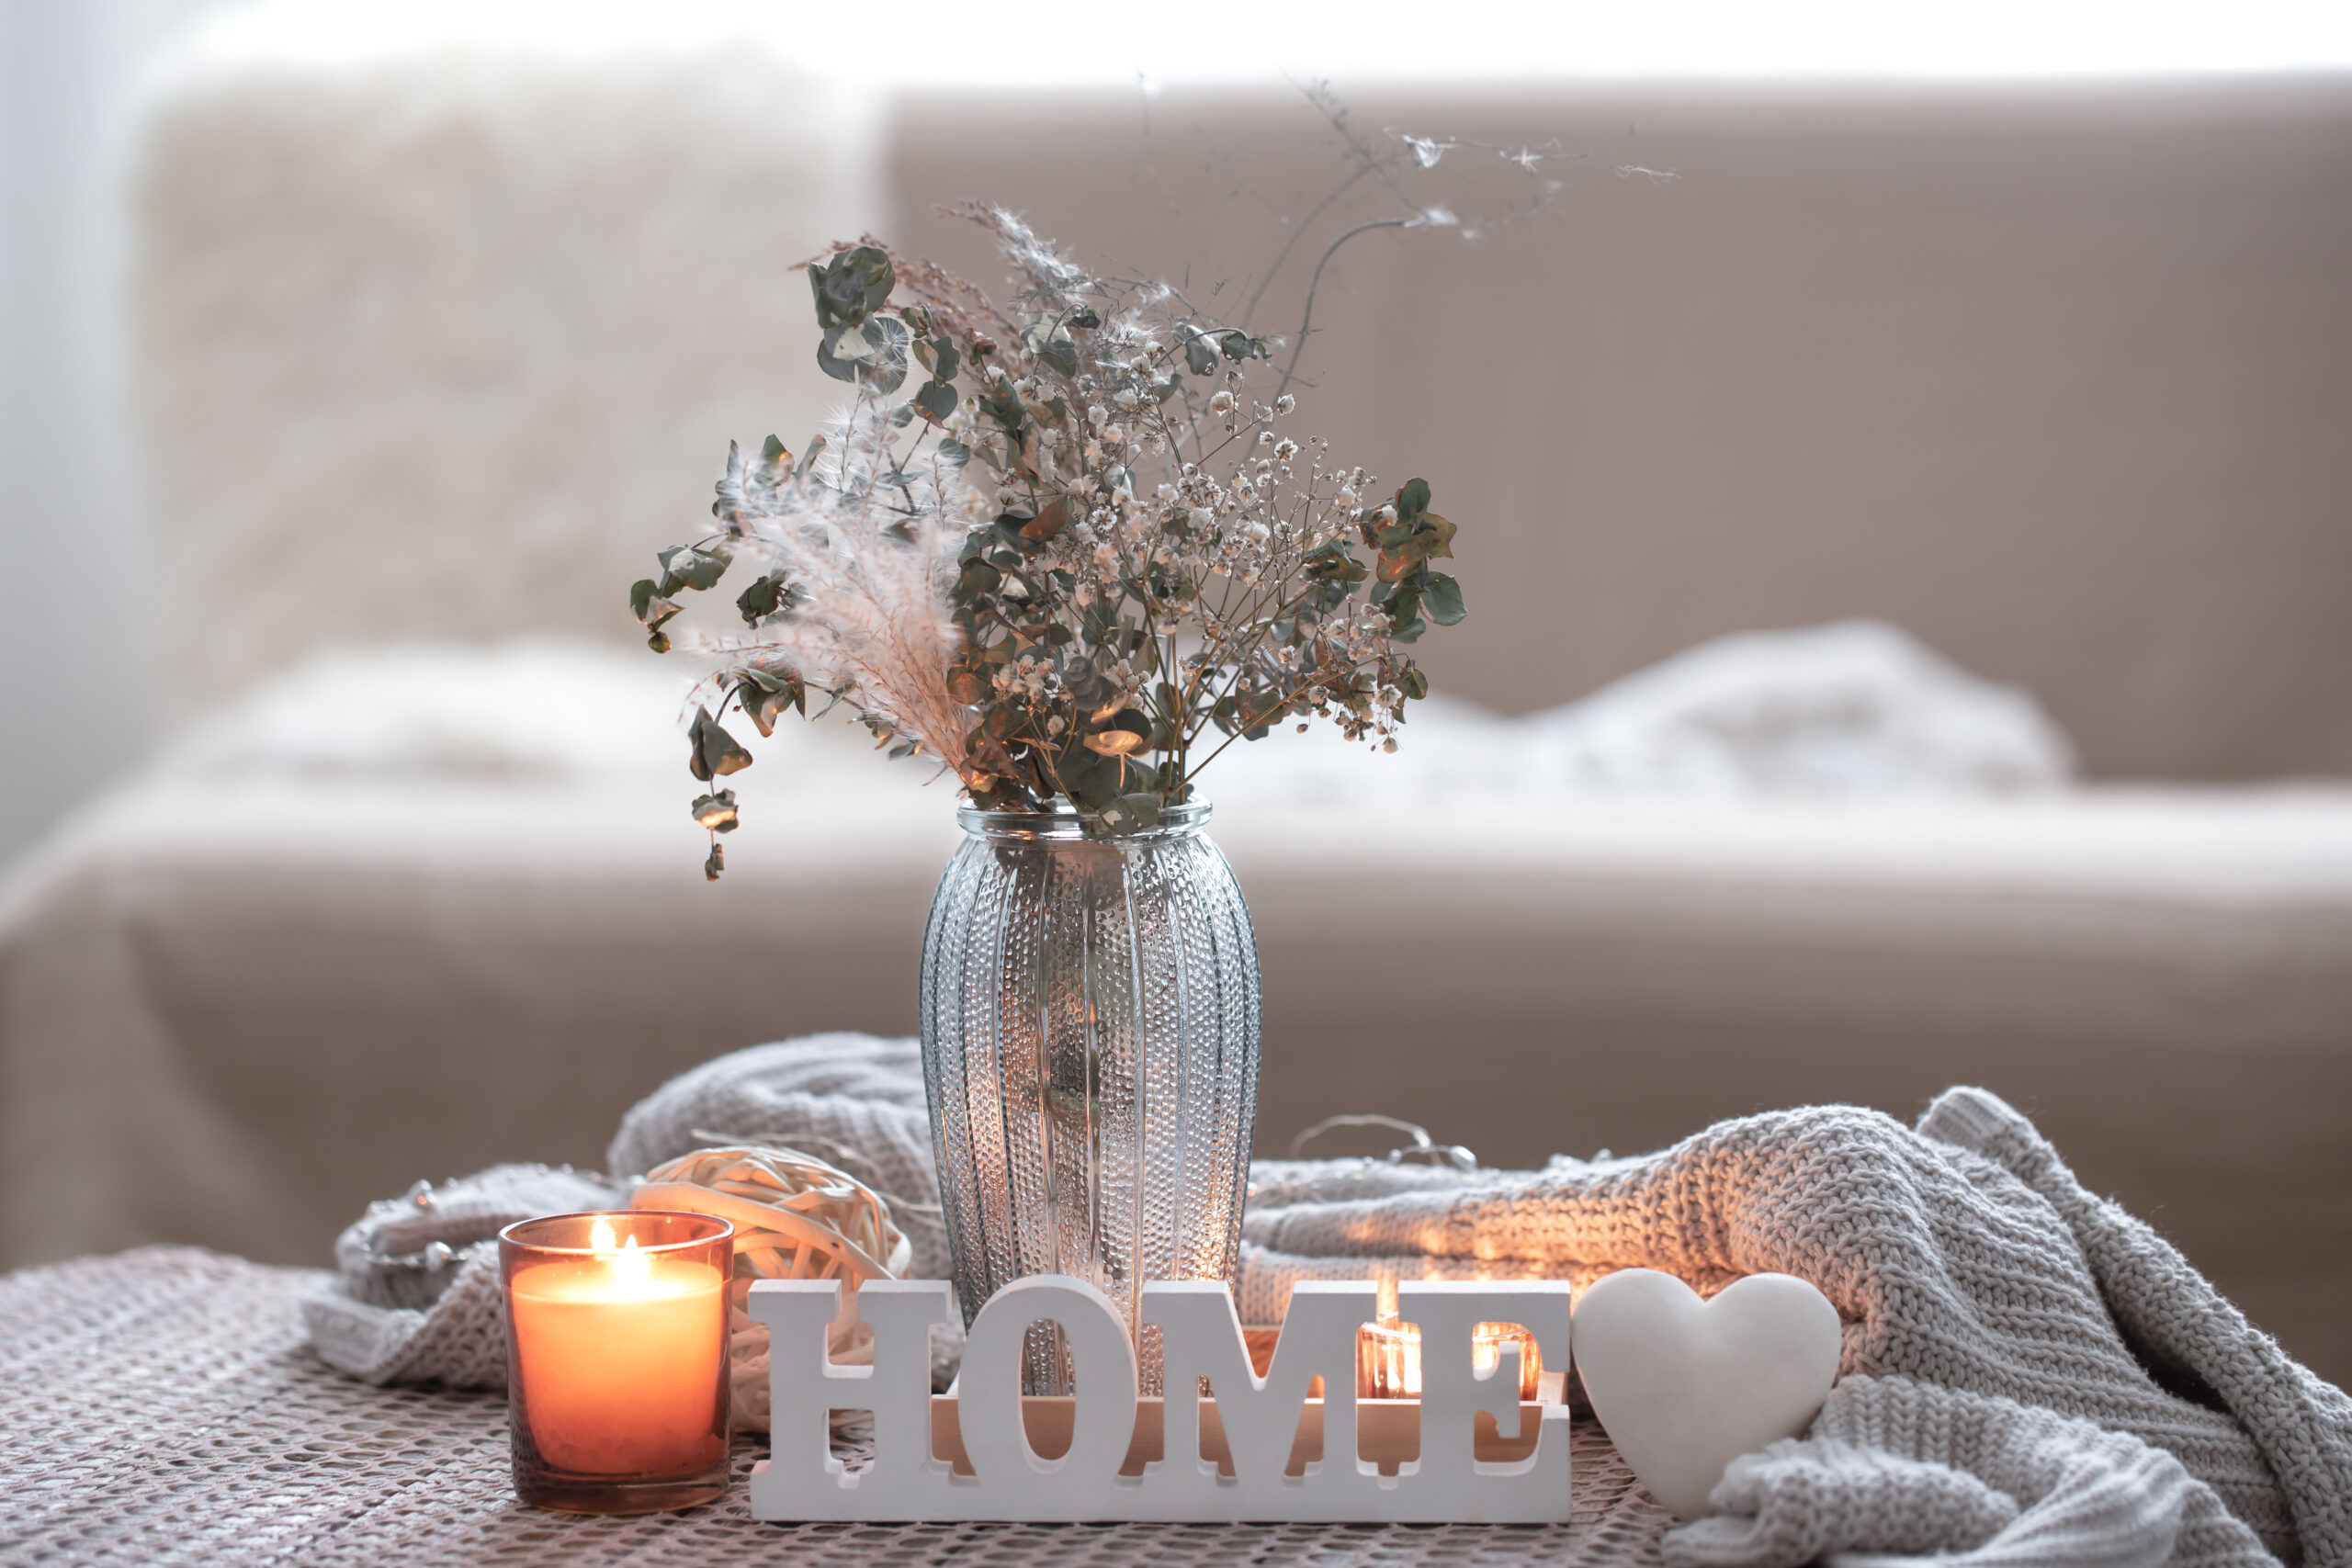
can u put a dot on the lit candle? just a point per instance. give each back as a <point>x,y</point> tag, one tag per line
<point>617,1358</point>
<point>1388,1358</point>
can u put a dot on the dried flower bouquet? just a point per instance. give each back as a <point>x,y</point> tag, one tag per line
<point>1074,565</point>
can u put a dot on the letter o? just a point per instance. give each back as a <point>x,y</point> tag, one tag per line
<point>988,1402</point>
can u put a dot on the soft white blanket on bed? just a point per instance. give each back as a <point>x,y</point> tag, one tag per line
<point>1853,708</point>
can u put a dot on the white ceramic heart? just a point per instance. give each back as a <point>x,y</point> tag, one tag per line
<point>1685,1385</point>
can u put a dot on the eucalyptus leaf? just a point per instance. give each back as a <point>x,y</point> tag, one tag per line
<point>1057,350</point>
<point>1404,608</point>
<point>851,286</point>
<point>1048,522</point>
<point>935,401</point>
<point>1133,813</point>
<point>695,568</point>
<point>871,265</point>
<point>1442,598</point>
<point>715,752</point>
<point>841,367</point>
<point>716,812</point>
<point>764,697</point>
<point>1200,355</point>
<point>647,604</point>
<point>1001,403</point>
<point>1435,537</point>
<point>1091,781</point>
<point>886,369</point>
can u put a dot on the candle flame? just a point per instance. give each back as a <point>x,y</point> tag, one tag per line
<point>629,1266</point>
<point>1388,1358</point>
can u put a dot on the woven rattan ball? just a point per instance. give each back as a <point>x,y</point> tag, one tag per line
<point>796,1217</point>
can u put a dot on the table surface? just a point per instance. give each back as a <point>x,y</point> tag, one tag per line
<point>162,1406</point>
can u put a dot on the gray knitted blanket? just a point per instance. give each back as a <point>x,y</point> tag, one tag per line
<point>2030,1376</point>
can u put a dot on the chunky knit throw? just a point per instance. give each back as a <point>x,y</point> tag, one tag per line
<point>415,1297</point>
<point>2029,1375</point>
<point>2000,1321</point>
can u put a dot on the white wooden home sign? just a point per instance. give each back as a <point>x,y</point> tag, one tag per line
<point>1684,1385</point>
<point>1139,1459</point>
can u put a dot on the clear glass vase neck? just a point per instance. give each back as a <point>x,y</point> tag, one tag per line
<point>1014,827</point>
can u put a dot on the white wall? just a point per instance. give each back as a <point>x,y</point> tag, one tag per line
<point>71,712</point>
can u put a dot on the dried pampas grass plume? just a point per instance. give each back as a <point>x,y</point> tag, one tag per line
<point>867,551</point>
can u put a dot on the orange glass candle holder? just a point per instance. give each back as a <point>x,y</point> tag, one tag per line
<point>616,1359</point>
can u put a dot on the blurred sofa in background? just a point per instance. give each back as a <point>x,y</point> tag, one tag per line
<point>434,350</point>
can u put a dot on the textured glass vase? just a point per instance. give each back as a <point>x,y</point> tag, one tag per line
<point>1090,1043</point>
